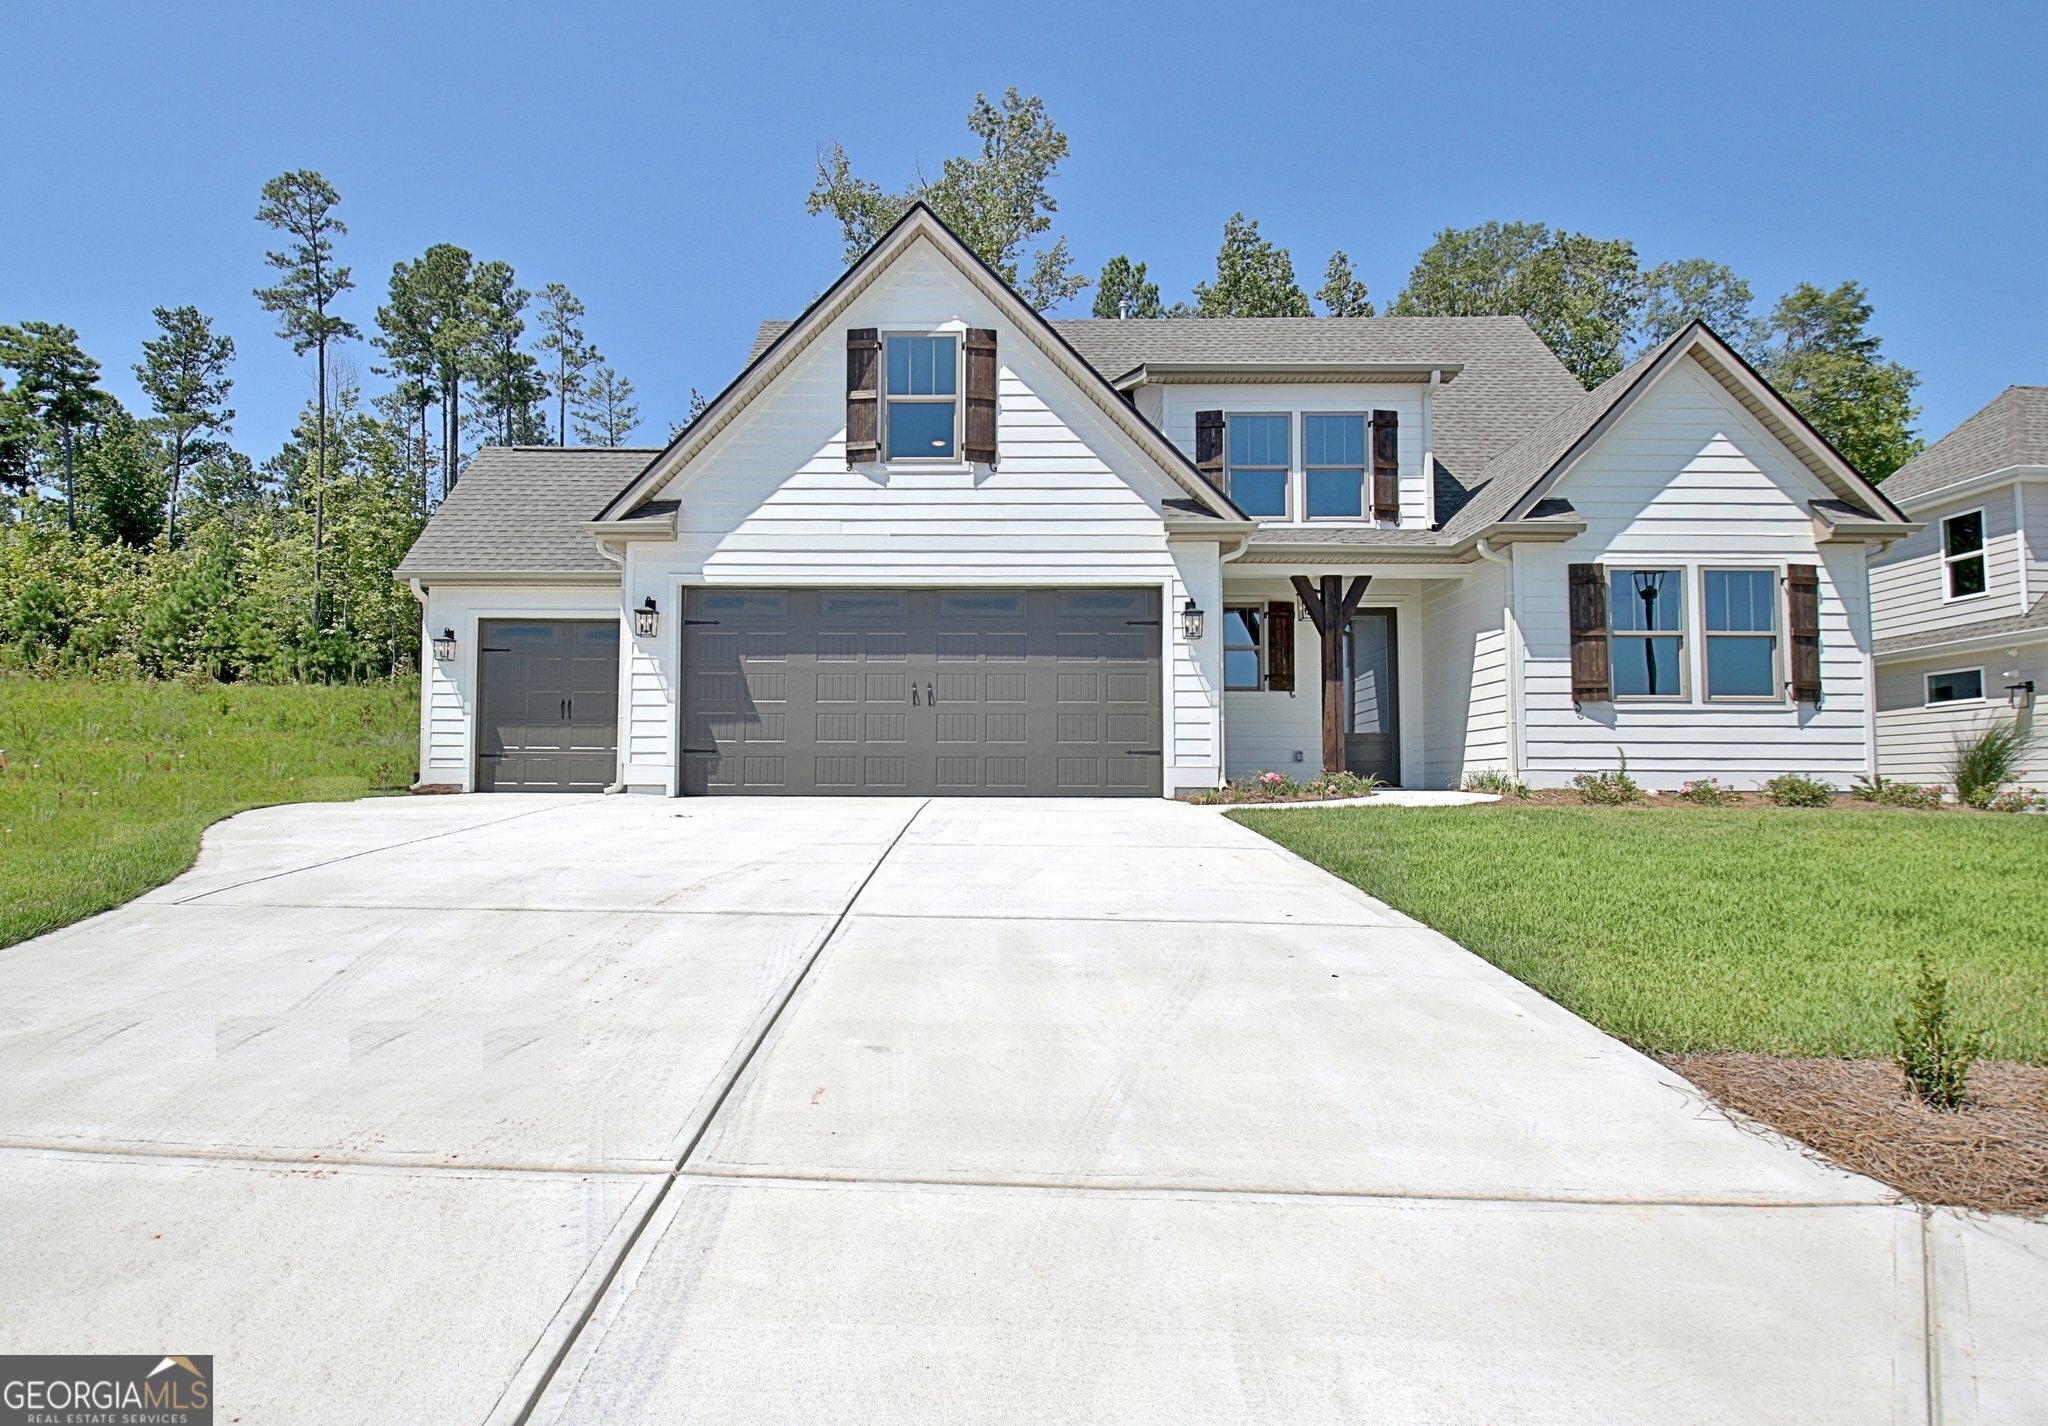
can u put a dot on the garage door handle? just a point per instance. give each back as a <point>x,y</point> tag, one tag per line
<point>928,697</point>
<point>913,695</point>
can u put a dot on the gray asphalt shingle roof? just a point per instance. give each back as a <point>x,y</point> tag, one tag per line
<point>2034,621</point>
<point>2012,430</point>
<point>521,509</point>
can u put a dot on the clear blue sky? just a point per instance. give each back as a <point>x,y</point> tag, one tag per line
<point>655,157</point>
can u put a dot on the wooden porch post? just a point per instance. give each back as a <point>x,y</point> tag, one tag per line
<point>1330,609</point>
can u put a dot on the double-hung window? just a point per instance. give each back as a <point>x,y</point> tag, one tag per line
<point>1646,612</point>
<point>1958,686</point>
<point>922,421</point>
<point>1258,463</point>
<point>1244,647</point>
<point>1333,455</point>
<point>1962,554</point>
<point>1741,633</point>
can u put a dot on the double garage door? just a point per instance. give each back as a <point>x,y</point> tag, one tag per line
<point>969,692</point>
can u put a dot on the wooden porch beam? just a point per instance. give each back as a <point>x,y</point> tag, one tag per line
<point>1330,609</point>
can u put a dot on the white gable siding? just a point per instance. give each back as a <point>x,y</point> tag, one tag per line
<point>1177,406</point>
<point>448,692</point>
<point>1915,741</point>
<point>1688,478</point>
<point>1072,501</point>
<point>1466,687</point>
<point>1908,582</point>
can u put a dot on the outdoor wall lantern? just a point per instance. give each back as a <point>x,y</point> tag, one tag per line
<point>646,619</point>
<point>444,646</point>
<point>1191,622</point>
<point>2020,695</point>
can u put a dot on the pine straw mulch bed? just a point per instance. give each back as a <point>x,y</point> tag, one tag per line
<point>1991,1155</point>
<point>1841,802</point>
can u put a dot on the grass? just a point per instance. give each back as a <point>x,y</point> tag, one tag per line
<point>1765,930</point>
<point>109,785</point>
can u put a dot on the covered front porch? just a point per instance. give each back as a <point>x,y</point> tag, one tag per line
<point>1336,667</point>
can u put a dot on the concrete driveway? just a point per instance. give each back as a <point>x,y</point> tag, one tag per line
<point>590,1110</point>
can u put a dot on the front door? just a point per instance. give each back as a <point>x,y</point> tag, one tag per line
<point>1372,741</point>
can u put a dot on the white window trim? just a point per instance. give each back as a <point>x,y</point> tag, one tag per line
<point>1927,700</point>
<point>1258,645</point>
<point>1949,561</point>
<point>1780,681</point>
<point>957,331</point>
<point>1687,645</point>
<point>1364,516</point>
<point>1288,472</point>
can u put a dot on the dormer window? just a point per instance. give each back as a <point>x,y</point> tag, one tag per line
<point>922,419</point>
<point>1962,554</point>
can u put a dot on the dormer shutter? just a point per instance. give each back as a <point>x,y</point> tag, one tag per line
<point>979,444</point>
<point>1209,434</point>
<point>1802,623</point>
<point>863,395</point>
<point>1386,465</point>
<point>1588,604</point>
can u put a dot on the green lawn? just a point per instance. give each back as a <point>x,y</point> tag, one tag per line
<point>1778,931</point>
<point>108,785</point>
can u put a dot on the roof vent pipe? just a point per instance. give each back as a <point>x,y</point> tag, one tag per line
<point>1123,308</point>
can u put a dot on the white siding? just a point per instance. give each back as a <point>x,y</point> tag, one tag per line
<point>1914,741</point>
<point>1263,732</point>
<point>1907,581</point>
<point>448,691</point>
<point>1072,501</point>
<point>1688,478</point>
<point>1466,686</point>
<point>2034,539</point>
<point>1176,417</point>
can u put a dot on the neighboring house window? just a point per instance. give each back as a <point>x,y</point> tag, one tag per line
<point>923,417</point>
<point>1646,614</point>
<point>1333,451</point>
<point>1257,472</point>
<point>1962,554</point>
<point>1243,657</point>
<point>1742,633</point>
<point>1958,686</point>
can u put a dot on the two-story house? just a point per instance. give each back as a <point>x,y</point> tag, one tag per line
<point>929,542</point>
<point>1961,605</point>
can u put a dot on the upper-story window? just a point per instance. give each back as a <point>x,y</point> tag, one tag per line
<point>1256,477</point>
<point>1333,457</point>
<point>1962,554</point>
<point>922,416</point>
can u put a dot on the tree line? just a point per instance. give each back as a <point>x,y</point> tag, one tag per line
<point>147,541</point>
<point>1590,299</point>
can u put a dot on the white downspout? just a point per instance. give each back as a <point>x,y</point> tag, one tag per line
<point>1511,629</point>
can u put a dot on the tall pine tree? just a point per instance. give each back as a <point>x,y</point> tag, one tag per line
<point>565,350</point>
<point>184,372</point>
<point>55,384</point>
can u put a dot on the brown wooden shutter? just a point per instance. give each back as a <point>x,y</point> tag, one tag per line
<point>1802,622</point>
<point>1209,433</point>
<point>1280,646</point>
<point>1386,465</point>
<point>863,395</point>
<point>980,442</point>
<point>1590,680</point>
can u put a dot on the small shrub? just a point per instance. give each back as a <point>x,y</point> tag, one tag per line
<point>1792,790</point>
<point>1887,792</point>
<point>2017,799</point>
<point>1495,780</point>
<point>1280,787</point>
<point>1933,1054</point>
<point>1986,762</point>
<point>1608,789</point>
<point>1707,792</point>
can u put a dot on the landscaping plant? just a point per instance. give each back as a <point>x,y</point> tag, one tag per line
<point>1792,790</point>
<point>1888,792</point>
<point>1986,762</point>
<point>1933,1054</point>
<point>1495,780</point>
<point>1608,789</point>
<point>1707,792</point>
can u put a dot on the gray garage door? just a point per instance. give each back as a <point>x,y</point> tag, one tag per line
<point>971,692</point>
<point>548,706</point>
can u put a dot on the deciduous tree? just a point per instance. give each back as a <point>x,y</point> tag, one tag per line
<point>997,202</point>
<point>1675,293</point>
<point>1254,277</point>
<point>1342,293</point>
<point>184,372</point>
<point>1824,359</point>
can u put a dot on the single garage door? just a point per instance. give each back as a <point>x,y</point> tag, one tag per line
<point>548,705</point>
<point>969,692</point>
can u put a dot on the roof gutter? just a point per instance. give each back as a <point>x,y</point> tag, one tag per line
<point>1158,373</point>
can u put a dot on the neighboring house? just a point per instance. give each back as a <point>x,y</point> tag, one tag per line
<point>929,542</point>
<point>1961,605</point>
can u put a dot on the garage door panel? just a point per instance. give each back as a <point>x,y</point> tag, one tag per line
<point>998,691</point>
